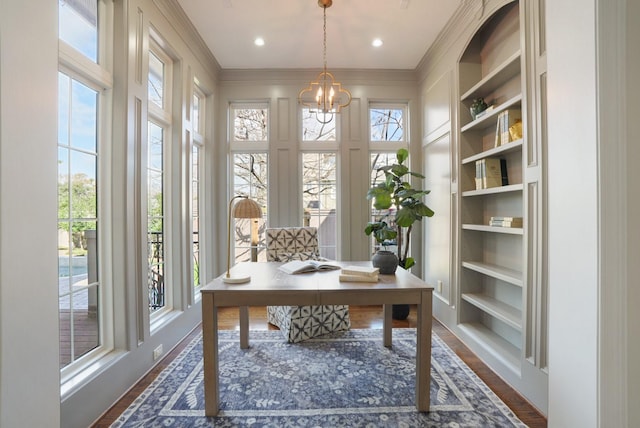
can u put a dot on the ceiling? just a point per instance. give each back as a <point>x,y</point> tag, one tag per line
<point>292,31</point>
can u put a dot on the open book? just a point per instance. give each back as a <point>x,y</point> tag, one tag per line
<point>302,266</point>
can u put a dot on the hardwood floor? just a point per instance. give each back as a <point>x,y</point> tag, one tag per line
<point>361,317</point>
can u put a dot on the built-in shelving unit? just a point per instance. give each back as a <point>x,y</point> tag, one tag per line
<point>496,296</point>
<point>492,260</point>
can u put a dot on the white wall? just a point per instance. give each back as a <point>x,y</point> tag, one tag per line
<point>573,209</point>
<point>633,209</point>
<point>29,373</point>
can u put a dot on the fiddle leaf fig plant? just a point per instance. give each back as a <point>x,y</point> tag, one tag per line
<point>405,207</point>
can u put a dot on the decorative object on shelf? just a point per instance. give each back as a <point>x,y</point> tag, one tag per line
<point>244,208</point>
<point>515,130</point>
<point>478,106</point>
<point>330,96</point>
<point>396,192</point>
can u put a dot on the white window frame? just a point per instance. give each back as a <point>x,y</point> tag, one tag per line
<point>198,139</point>
<point>386,146</point>
<point>97,76</point>
<point>162,117</point>
<point>237,147</point>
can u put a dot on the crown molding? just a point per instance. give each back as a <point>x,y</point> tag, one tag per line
<point>299,76</point>
<point>179,20</point>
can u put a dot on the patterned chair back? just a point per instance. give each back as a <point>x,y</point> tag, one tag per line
<point>284,242</point>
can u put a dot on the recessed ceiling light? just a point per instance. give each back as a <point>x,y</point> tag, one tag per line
<point>376,43</point>
<point>259,41</point>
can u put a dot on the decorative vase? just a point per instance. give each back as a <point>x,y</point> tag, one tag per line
<point>386,261</point>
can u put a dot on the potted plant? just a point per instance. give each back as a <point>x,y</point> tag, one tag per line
<point>477,107</point>
<point>405,207</point>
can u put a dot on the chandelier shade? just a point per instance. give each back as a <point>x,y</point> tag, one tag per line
<point>324,96</point>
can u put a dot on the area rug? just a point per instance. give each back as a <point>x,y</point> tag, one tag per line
<point>344,380</point>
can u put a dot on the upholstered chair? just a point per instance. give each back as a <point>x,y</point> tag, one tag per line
<point>299,323</point>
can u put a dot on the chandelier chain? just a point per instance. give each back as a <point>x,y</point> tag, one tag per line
<point>324,42</point>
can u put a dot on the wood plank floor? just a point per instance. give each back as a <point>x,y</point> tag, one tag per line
<point>361,317</point>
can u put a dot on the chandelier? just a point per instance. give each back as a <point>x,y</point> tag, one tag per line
<point>330,96</point>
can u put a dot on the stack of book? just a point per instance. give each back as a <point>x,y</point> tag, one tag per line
<point>506,221</point>
<point>506,119</point>
<point>491,172</point>
<point>359,274</point>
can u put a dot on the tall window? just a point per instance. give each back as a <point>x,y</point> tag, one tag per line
<point>197,127</point>
<point>80,220</point>
<point>158,139</point>
<point>319,179</point>
<point>249,145</point>
<point>387,134</point>
<point>319,198</point>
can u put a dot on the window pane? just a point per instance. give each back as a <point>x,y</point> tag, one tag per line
<point>250,179</point>
<point>378,160</point>
<point>64,85</point>
<point>319,198</point>
<point>155,217</point>
<point>312,130</point>
<point>78,282</point>
<point>250,124</point>
<point>156,80</point>
<point>387,124</point>
<point>155,146</point>
<point>78,25</point>
<point>83,185</point>
<point>195,114</point>
<point>195,213</point>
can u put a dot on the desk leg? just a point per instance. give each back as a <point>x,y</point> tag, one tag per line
<point>386,325</point>
<point>244,327</point>
<point>210,355</point>
<point>423,352</point>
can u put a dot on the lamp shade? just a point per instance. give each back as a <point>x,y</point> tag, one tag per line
<point>247,208</point>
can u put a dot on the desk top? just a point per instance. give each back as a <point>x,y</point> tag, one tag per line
<point>266,276</point>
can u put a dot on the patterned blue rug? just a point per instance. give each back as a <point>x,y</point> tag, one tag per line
<point>344,380</point>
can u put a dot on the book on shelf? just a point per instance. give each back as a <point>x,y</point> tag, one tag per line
<point>506,222</point>
<point>510,116</point>
<point>491,172</point>
<point>303,266</point>
<point>503,170</point>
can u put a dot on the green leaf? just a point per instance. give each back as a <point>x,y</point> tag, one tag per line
<point>409,263</point>
<point>402,155</point>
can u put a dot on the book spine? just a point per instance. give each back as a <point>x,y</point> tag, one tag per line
<point>503,171</point>
<point>478,174</point>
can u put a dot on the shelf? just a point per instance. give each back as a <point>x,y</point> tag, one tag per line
<point>505,71</point>
<point>494,229</point>
<point>500,150</point>
<point>494,190</point>
<point>504,274</point>
<point>497,309</point>
<point>493,344</point>
<point>489,119</point>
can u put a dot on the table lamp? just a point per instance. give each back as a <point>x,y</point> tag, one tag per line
<point>244,208</point>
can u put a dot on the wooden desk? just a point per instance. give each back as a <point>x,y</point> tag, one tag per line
<point>269,286</point>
